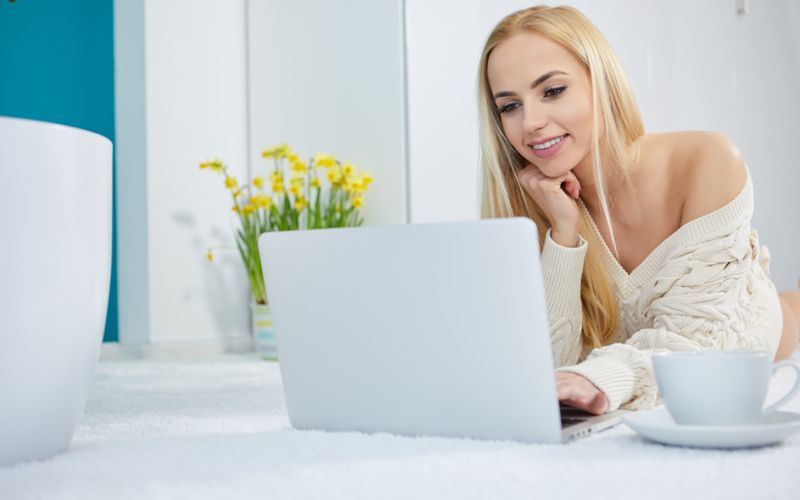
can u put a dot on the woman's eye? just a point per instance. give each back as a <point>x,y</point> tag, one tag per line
<point>508,107</point>
<point>555,92</point>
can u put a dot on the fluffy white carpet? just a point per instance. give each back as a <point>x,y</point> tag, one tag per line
<point>217,428</point>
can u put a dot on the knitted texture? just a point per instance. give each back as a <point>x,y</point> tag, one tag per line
<point>706,287</point>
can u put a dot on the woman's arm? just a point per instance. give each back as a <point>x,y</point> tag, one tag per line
<point>562,268</point>
<point>701,299</point>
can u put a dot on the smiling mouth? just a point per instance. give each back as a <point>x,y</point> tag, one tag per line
<point>549,144</point>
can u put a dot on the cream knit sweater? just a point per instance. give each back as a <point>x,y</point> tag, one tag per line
<point>706,286</point>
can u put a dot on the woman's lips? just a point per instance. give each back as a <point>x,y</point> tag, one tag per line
<point>546,153</point>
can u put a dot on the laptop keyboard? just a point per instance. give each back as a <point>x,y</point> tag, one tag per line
<point>572,416</point>
<point>567,421</point>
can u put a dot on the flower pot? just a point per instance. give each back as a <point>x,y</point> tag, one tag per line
<point>55,263</point>
<point>263,335</point>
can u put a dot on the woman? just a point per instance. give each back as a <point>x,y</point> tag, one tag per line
<point>646,238</point>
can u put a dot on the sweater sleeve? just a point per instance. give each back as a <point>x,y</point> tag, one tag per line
<point>562,268</point>
<point>701,299</point>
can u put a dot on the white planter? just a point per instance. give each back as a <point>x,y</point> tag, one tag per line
<point>55,263</point>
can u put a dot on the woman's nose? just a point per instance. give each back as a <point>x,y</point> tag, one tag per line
<point>533,119</point>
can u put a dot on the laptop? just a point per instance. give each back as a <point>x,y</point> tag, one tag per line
<point>435,329</point>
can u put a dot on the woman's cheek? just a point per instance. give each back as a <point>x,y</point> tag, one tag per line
<point>509,130</point>
<point>513,134</point>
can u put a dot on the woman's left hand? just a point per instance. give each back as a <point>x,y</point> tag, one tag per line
<point>576,391</point>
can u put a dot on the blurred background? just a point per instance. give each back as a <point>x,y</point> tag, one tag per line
<point>388,84</point>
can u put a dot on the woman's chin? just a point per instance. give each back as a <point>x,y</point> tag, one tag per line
<point>555,173</point>
<point>551,171</point>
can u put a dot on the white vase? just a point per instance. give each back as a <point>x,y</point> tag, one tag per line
<point>263,334</point>
<point>55,263</point>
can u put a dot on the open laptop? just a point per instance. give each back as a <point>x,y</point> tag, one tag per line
<point>423,329</point>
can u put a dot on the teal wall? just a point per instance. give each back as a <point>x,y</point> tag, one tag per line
<point>57,65</point>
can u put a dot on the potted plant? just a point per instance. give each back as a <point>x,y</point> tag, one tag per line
<point>319,193</point>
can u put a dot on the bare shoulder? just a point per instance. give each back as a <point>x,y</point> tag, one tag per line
<point>712,170</point>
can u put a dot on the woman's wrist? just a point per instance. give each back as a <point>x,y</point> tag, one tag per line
<point>565,238</point>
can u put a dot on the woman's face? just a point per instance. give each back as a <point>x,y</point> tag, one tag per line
<point>542,92</point>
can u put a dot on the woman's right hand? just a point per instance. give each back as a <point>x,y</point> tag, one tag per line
<point>556,197</point>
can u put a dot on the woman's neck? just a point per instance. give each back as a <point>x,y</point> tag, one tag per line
<point>622,195</point>
<point>614,183</point>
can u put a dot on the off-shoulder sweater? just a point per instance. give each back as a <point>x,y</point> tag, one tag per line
<point>706,286</point>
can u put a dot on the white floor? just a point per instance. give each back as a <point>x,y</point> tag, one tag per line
<point>217,428</point>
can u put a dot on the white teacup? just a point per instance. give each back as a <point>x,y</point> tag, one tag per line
<point>718,387</point>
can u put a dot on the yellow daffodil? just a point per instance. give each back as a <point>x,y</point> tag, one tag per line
<point>335,175</point>
<point>356,185</point>
<point>279,151</point>
<point>215,165</point>
<point>324,161</point>
<point>263,201</point>
<point>366,179</point>
<point>299,167</point>
<point>260,209</point>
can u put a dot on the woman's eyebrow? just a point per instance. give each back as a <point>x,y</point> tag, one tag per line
<point>535,83</point>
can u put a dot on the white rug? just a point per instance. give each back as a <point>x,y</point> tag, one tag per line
<point>217,428</point>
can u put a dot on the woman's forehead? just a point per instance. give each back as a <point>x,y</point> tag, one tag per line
<point>526,56</point>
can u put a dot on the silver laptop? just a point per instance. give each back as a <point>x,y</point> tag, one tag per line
<point>423,329</point>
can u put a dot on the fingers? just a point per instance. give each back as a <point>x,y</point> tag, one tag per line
<point>530,173</point>
<point>532,177</point>
<point>572,185</point>
<point>572,178</point>
<point>595,405</point>
<point>579,394</point>
<point>598,405</point>
<point>555,196</point>
<point>570,188</point>
<point>591,402</point>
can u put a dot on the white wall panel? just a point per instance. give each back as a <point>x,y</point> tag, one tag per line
<point>181,94</point>
<point>329,77</point>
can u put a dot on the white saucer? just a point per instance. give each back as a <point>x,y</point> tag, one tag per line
<point>657,425</point>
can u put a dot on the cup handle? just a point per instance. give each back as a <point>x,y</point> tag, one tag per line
<point>795,389</point>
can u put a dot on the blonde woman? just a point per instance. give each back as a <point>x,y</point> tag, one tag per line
<point>646,238</point>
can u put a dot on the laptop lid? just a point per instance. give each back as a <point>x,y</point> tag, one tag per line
<point>422,329</point>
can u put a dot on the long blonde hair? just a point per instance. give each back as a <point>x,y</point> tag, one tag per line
<point>616,126</point>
